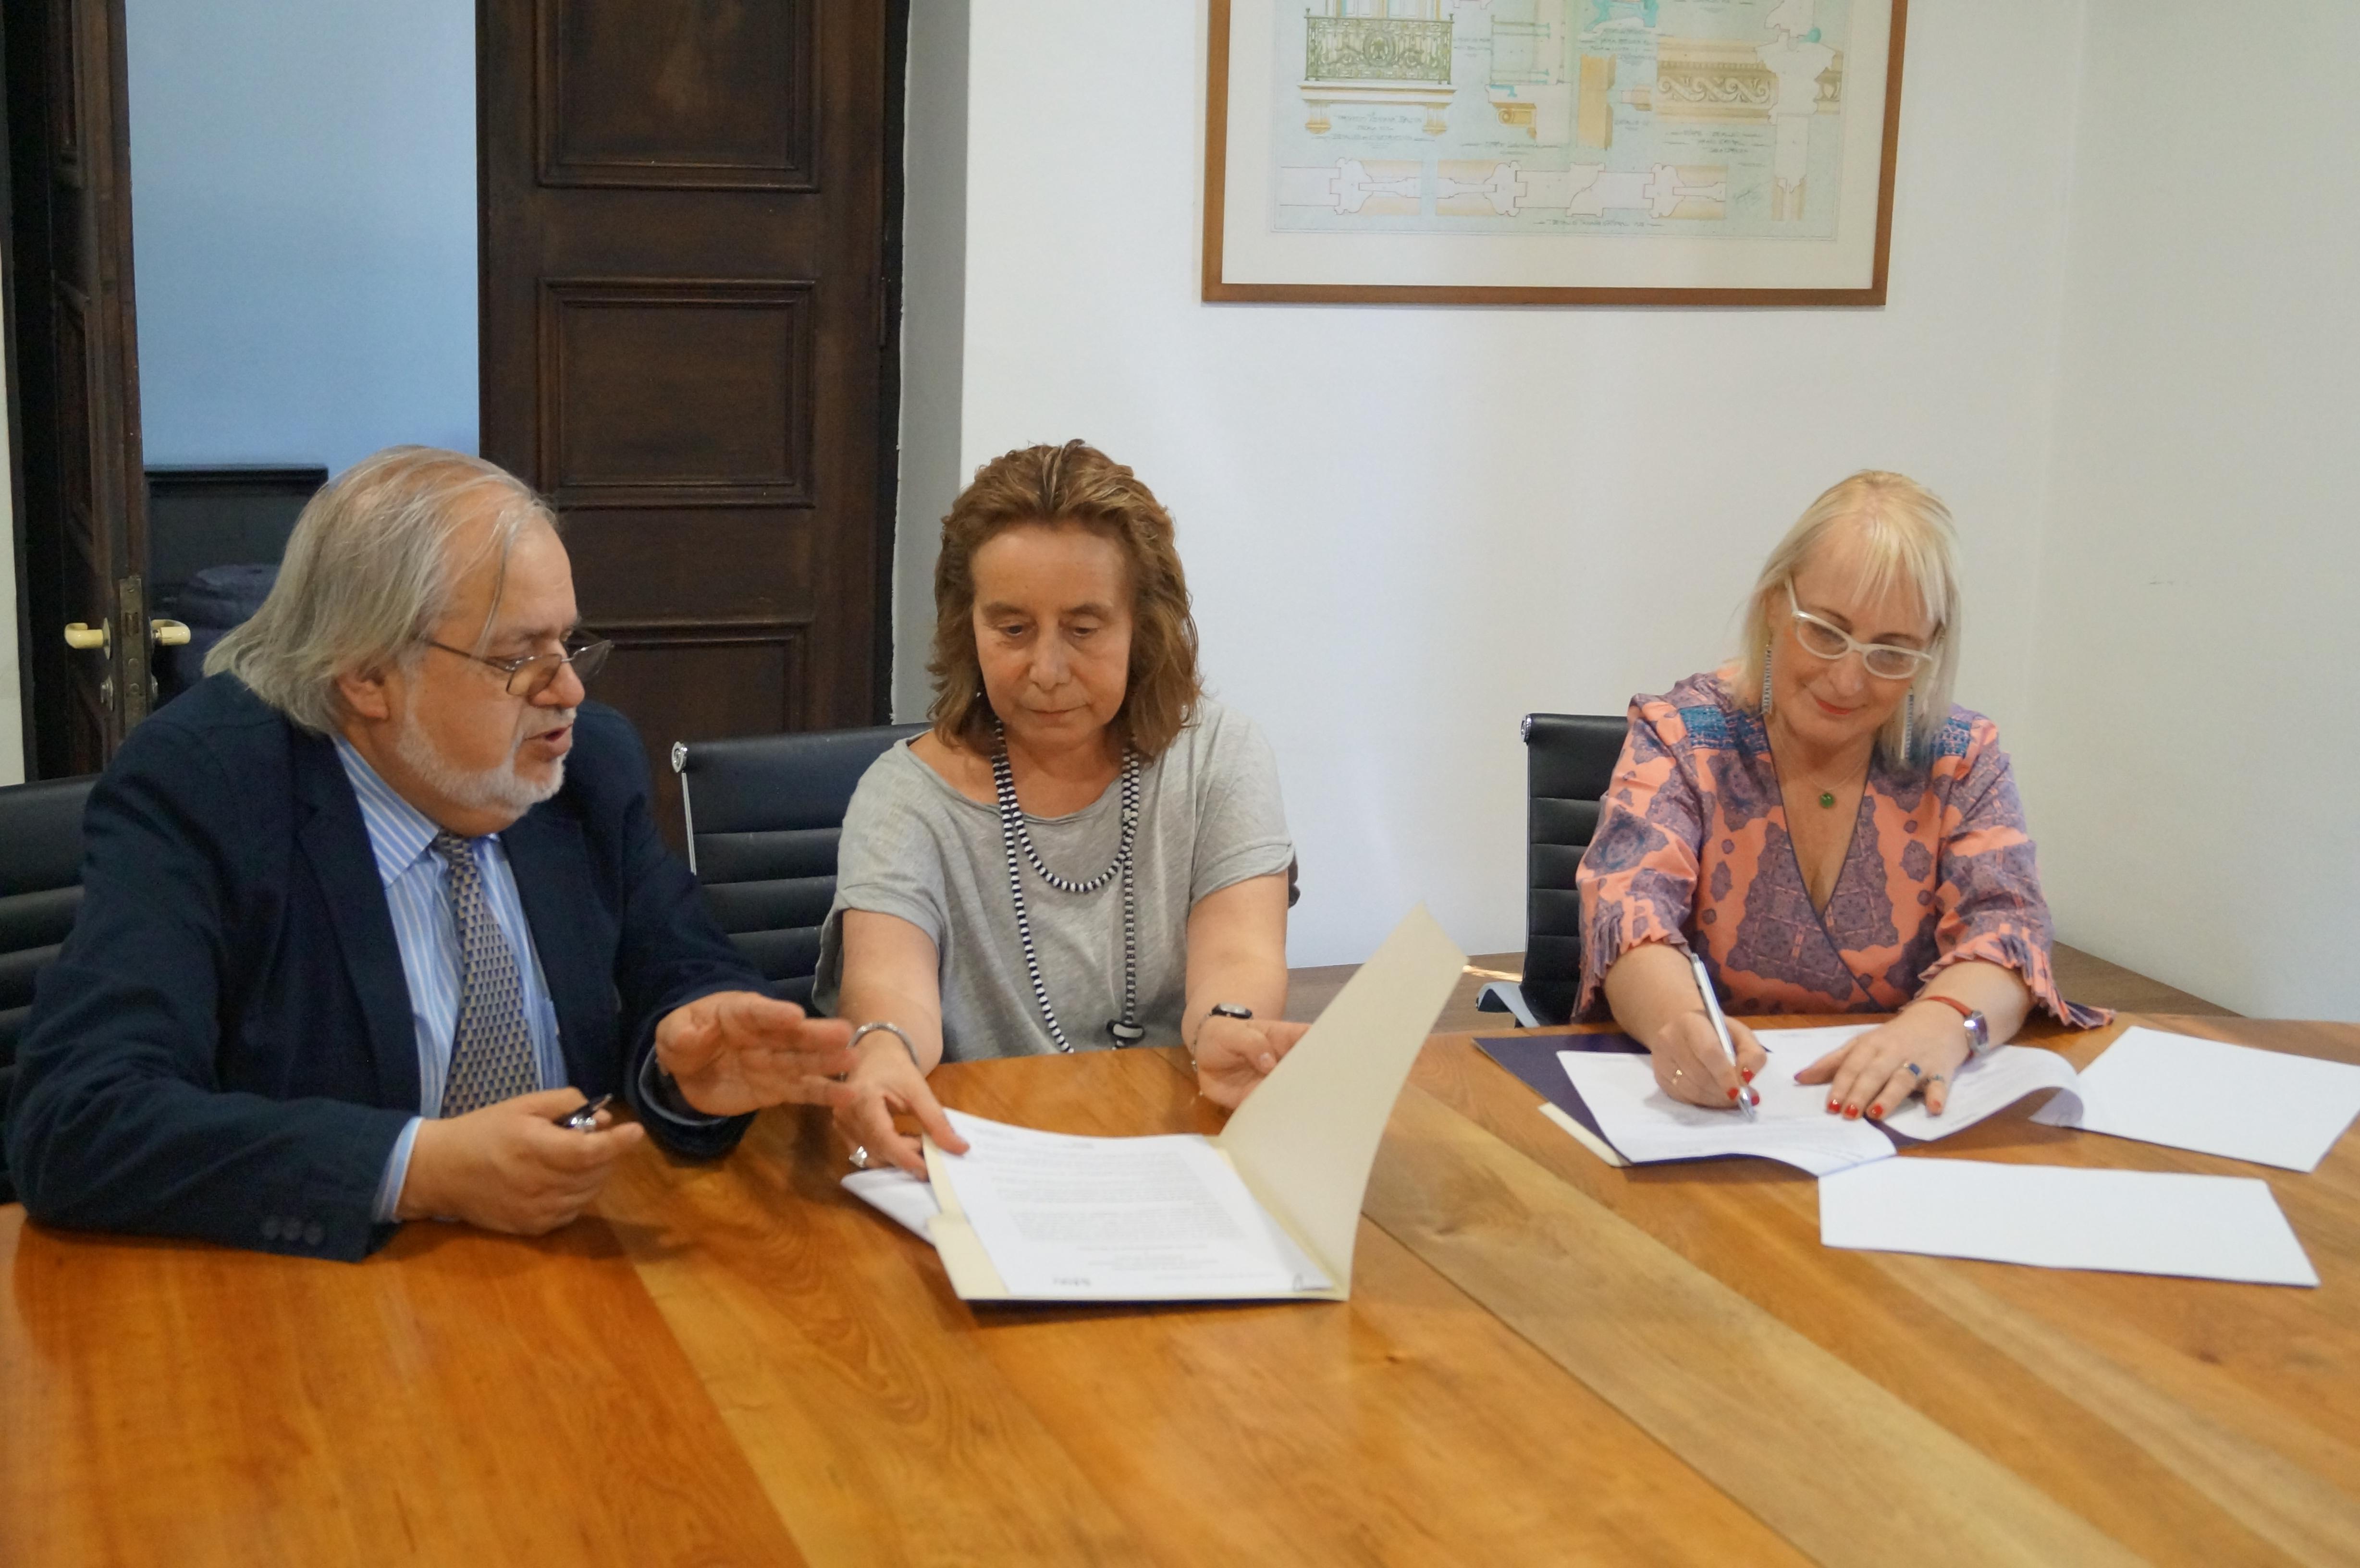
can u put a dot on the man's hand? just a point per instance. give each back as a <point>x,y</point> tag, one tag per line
<point>510,1167</point>
<point>1233,1055</point>
<point>738,1051</point>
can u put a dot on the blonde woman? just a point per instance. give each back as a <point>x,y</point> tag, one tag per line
<point>1824,829</point>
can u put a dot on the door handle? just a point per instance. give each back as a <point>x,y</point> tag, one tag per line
<point>82,637</point>
<point>168,634</point>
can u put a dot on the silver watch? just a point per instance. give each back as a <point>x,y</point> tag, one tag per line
<point>1979,1042</point>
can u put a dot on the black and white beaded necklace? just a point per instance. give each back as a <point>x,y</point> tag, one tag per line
<point>1013,834</point>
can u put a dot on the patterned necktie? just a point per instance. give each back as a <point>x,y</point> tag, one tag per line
<point>491,1053</point>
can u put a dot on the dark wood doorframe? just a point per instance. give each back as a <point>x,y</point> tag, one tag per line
<point>28,747</point>
<point>72,340</point>
<point>889,400</point>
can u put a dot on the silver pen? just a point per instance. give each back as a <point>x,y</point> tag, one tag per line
<point>1720,1028</point>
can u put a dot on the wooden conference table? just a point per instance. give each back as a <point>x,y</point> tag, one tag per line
<point>1544,1360</point>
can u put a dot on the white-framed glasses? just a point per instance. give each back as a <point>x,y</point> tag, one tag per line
<point>1886,660</point>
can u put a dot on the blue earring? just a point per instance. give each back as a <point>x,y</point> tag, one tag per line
<point>1908,727</point>
<point>1766,679</point>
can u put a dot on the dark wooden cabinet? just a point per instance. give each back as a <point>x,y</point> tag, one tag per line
<point>688,339</point>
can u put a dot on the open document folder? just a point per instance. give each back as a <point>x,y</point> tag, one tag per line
<point>1269,1210</point>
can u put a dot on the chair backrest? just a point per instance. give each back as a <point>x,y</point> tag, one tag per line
<point>763,814</point>
<point>1569,763</point>
<point>40,888</point>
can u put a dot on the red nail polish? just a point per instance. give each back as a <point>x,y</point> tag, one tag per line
<point>1732,1093</point>
<point>1833,1108</point>
<point>1757,1096</point>
<point>1749,1075</point>
<point>1852,1112</point>
<point>1874,1112</point>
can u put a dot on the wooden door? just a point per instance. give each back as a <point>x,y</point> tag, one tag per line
<point>686,331</point>
<point>78,379</point>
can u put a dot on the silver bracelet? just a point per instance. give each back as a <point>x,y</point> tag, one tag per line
<point>898,1033</point>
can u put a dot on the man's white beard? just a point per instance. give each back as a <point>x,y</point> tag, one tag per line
<point>499,788</point>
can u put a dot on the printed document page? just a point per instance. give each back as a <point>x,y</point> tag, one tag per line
<point>2134,1222</point>
<point>2232,1100</point>
<point>1978,1089</point>
<point>1792,1124</point>
<point>1163,1218</point>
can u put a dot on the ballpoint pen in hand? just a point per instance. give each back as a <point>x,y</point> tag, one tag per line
<point>1720,1028</point>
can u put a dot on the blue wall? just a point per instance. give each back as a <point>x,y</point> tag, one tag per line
<point>303,204</point>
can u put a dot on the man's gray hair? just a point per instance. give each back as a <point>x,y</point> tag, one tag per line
<point>369,572</point>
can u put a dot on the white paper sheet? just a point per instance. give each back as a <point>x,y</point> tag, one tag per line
<point>1978,1089</point>
<point>2214,1098</point>
<point>1644,1123</point>
<point>1163,1218</point>
<point>1994,1084</point>
<point>906,1200</point>
<point>2134,1222</point>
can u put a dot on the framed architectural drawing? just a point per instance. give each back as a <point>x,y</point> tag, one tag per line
<point>1612,152</point>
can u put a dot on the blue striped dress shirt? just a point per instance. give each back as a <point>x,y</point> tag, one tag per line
<point>418,896</point>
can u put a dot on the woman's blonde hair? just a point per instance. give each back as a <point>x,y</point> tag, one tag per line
<point>1906,539</point>
<point>1079,486</point>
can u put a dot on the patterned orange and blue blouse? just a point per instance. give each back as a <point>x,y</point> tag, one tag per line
<point>1692,849</point>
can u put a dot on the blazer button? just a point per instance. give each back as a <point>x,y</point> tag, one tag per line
<point>271,1228</point>
<point>312,1233</point>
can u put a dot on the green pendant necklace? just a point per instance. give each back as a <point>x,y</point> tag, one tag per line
<point>1827,798</point>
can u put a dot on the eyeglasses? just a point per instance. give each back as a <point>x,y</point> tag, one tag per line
<point>1887,661</point>
<point>530,676</point>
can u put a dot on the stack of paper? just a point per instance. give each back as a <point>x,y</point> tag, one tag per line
<point>1792,1124</point>
<point>2163,1088</point>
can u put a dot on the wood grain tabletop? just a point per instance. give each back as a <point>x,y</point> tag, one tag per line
<point>1544,1359</point>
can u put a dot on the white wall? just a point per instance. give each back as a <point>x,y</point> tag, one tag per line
<point>2194,750</point>
<point>933,325</point>
<point>303,206</point>
<point>1407,527</point>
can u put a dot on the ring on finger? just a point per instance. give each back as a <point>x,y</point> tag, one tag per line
<point>859,1157</point>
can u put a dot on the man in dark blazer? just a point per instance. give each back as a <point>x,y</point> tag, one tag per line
<point>379,900</point>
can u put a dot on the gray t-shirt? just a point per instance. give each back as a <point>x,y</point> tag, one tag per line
<point>915,847</point>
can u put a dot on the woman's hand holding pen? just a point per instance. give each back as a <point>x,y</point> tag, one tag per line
<point>1690,1064</point>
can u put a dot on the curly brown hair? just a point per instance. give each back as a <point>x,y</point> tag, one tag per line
<point>1079,486</point>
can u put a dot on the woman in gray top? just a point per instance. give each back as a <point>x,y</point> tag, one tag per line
<point>1084,851</point>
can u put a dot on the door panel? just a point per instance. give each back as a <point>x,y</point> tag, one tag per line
<point>716,94</point>
<point>684,244</point>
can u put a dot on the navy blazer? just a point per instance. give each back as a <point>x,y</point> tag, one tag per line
<point>223,1048</point>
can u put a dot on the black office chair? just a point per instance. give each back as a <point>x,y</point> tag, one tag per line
<point>763,814</point>
<point>40,888</point>
<point>1569,763</point>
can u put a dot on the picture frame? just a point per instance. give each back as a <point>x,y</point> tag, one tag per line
<point>1551,152</point>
